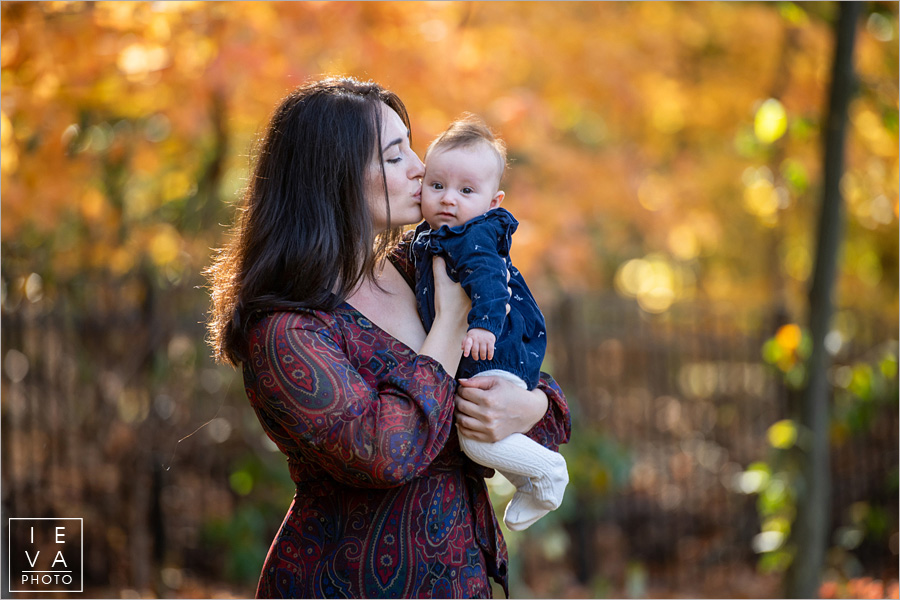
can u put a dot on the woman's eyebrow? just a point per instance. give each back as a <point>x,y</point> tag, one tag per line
<point>399,140</point>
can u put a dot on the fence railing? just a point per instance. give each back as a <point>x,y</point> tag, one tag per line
<point>687,400</point>
<point>98,415</point>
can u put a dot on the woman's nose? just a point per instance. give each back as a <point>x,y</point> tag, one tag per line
<point>418,167</point>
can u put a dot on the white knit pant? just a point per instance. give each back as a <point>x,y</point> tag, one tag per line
<point>539,474</point>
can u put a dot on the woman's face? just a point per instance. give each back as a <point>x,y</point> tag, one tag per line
<point>403,172</point>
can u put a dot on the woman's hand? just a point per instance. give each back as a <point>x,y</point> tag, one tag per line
<point>451,302</point>
<point>489,409</point>
<point>451,310</point>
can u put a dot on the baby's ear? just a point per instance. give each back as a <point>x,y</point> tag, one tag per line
<point>497,199</point>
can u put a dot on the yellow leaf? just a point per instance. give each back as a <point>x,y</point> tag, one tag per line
<point>761,199</point>
<point>9,158</point>
<point>165,245</point>
<point>683,242</point>
<point>93,204</point>
<point>782,434</point>
<point>789,336</point>
<point>771,121</point>
<point>137,60</point>
<point>6,129</point>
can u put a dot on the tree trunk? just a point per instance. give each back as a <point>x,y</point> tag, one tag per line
<point>812,524</point>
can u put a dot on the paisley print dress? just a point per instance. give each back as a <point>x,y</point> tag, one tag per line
<point>387,505</point>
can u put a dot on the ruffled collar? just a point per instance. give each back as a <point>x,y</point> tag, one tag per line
<point>500,216</point>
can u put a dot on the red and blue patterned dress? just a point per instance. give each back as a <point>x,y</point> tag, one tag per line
<point>387,505</point>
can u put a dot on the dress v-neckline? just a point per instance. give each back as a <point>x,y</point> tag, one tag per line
<point>384,331</point>
<point>347,306</point>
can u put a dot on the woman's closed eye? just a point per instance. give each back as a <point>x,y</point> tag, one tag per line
<point>394,161</point>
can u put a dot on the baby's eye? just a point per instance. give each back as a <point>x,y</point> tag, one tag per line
<point>467,190</point>
<point>437,186</point>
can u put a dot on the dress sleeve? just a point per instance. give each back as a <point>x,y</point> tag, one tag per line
<point>556,426</point>
<point>314,404</point>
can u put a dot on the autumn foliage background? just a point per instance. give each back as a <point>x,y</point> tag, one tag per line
<point>666,172</point>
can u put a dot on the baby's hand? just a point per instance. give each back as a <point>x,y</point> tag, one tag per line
<point>480,343</point>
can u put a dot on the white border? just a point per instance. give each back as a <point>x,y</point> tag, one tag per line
<point>9,547</point>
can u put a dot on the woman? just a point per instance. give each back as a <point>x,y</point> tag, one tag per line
<point>314,297</point>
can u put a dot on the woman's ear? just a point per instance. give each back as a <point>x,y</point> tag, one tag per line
<point>497,199</point>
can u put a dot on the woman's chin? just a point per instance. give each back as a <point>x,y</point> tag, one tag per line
<point>413,217</point>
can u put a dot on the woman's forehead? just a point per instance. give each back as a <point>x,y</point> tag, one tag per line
<point>391,121</point>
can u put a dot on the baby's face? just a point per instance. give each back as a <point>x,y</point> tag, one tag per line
<point>459,185</point>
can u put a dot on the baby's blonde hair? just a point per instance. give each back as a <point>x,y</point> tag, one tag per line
<point>466,132</point>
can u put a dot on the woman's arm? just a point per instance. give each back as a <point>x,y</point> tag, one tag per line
<point>451,306</point>
<point>315,405</point>
<point>490,409</point>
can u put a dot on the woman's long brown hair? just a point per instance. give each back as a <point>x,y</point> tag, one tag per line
<point>303,237</point>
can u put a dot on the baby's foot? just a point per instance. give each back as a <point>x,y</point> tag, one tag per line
<point>548,490</point>
<point>523,511</point>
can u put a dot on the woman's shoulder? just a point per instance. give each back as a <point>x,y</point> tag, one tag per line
<point>281,321</point>
<point>402,256</point>
<point>406,240</point>
<point>279,335</point>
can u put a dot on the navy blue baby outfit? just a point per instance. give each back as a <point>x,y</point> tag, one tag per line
<point>477,256</point>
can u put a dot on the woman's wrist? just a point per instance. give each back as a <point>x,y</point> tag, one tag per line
<point>452,323</point>
<point>537,408</point>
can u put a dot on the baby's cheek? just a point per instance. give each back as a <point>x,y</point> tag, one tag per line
<point>428,201</point>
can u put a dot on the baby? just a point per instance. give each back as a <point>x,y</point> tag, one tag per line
<point>507,336</point>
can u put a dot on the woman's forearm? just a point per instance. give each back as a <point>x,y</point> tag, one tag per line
<point>533,410</point>
<point>451,306</point>
<point>444,343</point>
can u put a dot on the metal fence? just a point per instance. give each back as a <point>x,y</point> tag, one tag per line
<point>686,401</point>
<point>121,418</point>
